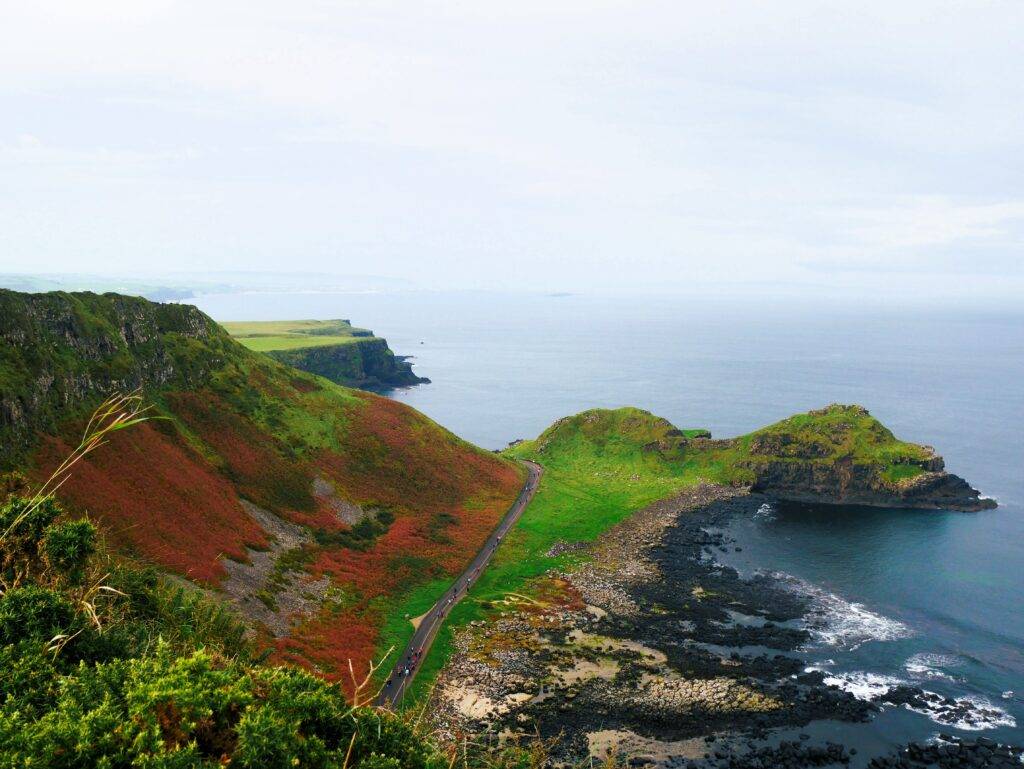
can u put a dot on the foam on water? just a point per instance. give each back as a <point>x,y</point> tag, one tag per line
<point>926,665</point>
<point>969,713</point>
<point>765,513</point>
<point>862,685</point>
<point>834,621</point>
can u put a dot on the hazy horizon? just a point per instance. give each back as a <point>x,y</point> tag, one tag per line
<point>798,148</point>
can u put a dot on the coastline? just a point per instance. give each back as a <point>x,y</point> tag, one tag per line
<point>653,650</point>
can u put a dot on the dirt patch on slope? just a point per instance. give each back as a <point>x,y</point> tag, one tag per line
<point>265,589</point>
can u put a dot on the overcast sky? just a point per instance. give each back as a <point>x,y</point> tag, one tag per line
<point>548,144</point>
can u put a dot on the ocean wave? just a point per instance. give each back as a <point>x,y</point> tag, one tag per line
<point>834,621</point>
<point>927,665</point>
<point>765,513</point>
<point>973,714</point>
<point>862,685</point>
<point>969,713</point>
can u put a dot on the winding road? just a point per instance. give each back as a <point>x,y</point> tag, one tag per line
<point>405,669</point>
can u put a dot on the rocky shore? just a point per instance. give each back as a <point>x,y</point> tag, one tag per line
<point>650,650</point>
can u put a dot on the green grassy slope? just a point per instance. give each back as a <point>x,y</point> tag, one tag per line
<point>264,336</point>
<point>599,466</point>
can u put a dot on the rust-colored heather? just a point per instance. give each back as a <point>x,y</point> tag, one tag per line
<point>328,641</point>
<point>164,501</point>
<point>159,499</point>
<point>392,456</point>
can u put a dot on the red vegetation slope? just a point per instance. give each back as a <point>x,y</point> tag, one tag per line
<point>159,499</point>
<point>447,498</point>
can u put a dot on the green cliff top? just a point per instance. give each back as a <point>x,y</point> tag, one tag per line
<point>837,432</point>
<point>264,336</point>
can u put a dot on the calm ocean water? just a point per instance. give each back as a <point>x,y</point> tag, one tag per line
<point>932,598</point>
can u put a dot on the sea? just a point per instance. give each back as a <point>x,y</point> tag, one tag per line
<point>931,598</point>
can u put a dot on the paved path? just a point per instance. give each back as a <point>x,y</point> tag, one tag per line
<point>431,622</point>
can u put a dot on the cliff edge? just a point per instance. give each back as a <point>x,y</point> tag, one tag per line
<point>333,349</point>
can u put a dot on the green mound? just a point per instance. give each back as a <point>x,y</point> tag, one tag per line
<point>839,433</point>
<point>623,434</point>
<point>625,456</point>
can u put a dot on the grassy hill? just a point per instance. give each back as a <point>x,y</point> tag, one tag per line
<point>314,507</point>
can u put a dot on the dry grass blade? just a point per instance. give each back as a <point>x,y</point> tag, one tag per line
<point>361,693</point>
<point>348,753</point>
<point>88,599</point>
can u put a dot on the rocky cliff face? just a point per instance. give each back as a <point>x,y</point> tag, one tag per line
<point>365,363</point>
<point>849,483</point>
<point>60,350</point>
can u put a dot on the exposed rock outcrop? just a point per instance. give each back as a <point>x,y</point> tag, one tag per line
<point>59,350</point>
<point>843,455</point>
<point>367,363</point>
<point>849,483</point>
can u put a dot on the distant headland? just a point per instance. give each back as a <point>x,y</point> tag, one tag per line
<point>334,349</point>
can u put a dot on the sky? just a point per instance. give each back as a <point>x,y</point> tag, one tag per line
<point>557,145</point>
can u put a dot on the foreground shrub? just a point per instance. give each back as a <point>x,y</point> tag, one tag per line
<point>35,613</point>
<point>204,711</point>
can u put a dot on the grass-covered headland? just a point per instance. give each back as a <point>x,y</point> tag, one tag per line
<point>263,336</point>
<point>334,349</point>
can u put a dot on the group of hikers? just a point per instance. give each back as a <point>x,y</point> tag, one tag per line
<point>405,670</point>
<point>413,659</point>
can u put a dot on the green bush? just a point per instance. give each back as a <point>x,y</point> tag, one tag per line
<point>33,613</point>
<point>204,711</point>
<point>28,676</point>
<point>23,524</point>
<point>68,548</point>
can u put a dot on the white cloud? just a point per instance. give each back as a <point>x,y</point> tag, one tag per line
<point>935,221</point>
<point>611,144</point>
